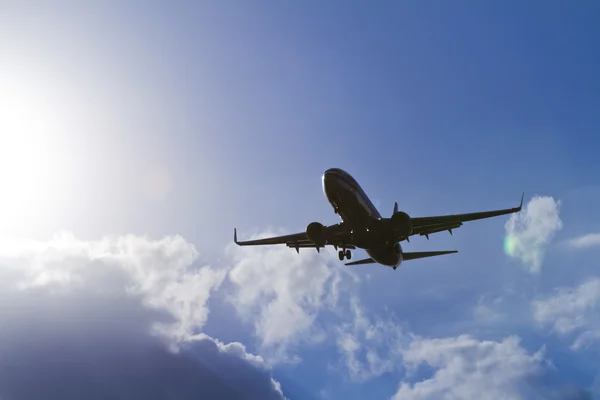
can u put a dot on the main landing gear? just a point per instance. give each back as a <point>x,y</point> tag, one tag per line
<point>342,254</point>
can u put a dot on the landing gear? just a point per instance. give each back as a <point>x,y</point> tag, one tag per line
<point>344,254</point>
<point>394,268</point>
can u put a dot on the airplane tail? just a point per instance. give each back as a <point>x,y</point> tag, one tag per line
<point>365,261</point>
<point>407,256</point>
<point>423,254</point>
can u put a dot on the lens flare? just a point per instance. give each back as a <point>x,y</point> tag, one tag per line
<point>510,244</point>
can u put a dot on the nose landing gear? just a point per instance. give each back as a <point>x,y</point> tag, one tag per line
<point>344,254</point>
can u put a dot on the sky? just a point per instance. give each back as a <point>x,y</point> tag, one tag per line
<point>134,136</point>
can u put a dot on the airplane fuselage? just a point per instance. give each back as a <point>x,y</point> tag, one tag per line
<point>357,211</point>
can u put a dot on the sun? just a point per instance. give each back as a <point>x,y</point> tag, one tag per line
<point>29,158</point>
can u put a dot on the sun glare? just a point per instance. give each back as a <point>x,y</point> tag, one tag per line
<point>29,159</point>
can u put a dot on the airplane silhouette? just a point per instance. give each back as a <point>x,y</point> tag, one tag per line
<point>363,227</point>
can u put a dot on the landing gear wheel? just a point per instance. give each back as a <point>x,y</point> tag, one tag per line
<point>341,255</point>
<point>348,254</point>
<point>395,268</point>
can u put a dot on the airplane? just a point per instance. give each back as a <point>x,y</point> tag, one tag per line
<point>363,227</point>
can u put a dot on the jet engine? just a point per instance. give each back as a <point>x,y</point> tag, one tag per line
<point>402,224</point>
<point>315,232</point>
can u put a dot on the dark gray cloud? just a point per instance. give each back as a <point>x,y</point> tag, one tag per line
<point>70,328</point>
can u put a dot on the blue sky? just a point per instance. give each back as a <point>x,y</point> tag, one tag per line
<point>145,133</point>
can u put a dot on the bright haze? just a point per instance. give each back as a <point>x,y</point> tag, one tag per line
<point>134,136</point>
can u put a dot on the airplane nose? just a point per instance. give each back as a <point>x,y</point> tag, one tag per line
<point>332,171</point>
<point>324,179</point>
<point>327,179</point>
<point>330,175</point>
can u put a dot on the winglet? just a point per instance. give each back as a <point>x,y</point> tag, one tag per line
<point>521,204</point>
<point>235,236</point>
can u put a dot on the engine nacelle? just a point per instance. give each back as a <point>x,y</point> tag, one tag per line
<point>402,224</point>
<point>315,232</point>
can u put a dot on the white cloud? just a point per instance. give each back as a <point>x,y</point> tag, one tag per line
<point>93,306</point>
<point>466,368</point>
<point>529,232</point>
<point>160,271</point>
<point>589,240</point>
<point>370,349</point>
<point>571,310</point>
<point>489,310</point>
<point>282,292</point>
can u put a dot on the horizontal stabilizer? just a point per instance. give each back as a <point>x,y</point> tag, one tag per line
<point>365,261</point>
<point>423,254</point>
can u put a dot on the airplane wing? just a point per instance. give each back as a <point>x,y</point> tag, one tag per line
<point>425,226</point>
<point>336,237</point>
